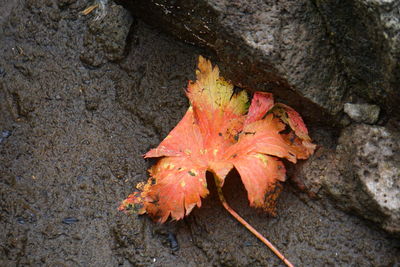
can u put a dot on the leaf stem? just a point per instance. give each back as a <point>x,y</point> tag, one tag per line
<point>248,226</point>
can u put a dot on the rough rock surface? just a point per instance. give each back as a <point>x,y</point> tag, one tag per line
<point>107,35</point>
<point>279,46</point>
<point>322,50</point>
<point>362,175</point>
<point>366,34</point>
<point>369,155</point>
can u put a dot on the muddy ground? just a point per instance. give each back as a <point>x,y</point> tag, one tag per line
<point>72,136</point>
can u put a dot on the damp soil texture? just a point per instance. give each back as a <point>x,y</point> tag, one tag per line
<point>74,123</point>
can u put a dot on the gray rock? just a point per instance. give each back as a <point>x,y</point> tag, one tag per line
<point>366,34</point>
<point>106,37</point>
<point>362,112</point>
<point>370,160</point>
<point>309,53</point>
<point>362,175</point>
<point>278,46</point>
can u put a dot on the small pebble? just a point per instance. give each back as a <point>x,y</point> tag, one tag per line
<point>5,134</point>
<point>247,244</point>
<point>20,220</point>
<point>365,113</point>
<point>173,243</point>
<point>70,220</point>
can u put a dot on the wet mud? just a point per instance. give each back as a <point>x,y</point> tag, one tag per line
<point>75,120</point>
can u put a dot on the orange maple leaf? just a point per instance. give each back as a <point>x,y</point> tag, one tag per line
<point>220,132</point>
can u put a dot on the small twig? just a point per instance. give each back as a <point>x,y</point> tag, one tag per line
<point>89,9</point>
<point>248,226</point>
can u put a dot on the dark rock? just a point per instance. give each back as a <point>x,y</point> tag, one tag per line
<point>173,242</point>
<point>106,37</point>
<point>366,34</point>
<point>323,51</point>
<point>279,47</point>
<point>70,220</point>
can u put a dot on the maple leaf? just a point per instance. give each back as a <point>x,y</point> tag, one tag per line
<point>220,131</point>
